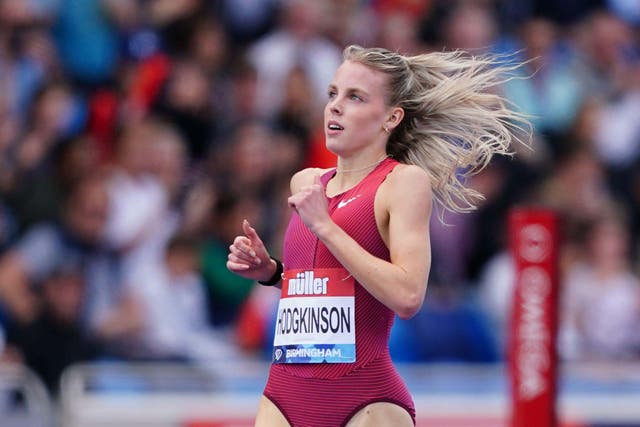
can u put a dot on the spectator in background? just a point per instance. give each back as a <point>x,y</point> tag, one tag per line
<point>399,32</point>
<point>55,339</point>
<point>247,20</point>
<point>208,46</point>
<point>297,114</point>
<point>248,158</point>
<point>187,103</point>
<point>138,202</point>
<point>174,308</point>
<point>449,328</point>
<point>29,62</point>
<point>606,54</point>
<point>545,87</point>
<point>237,100</point>
<point>612,56</point>
<point>576,189</point>
<point>107,312</point>
<point>56,114</point>
<point>226,291</point>
<point>601,303</point>
<point>611,66</point>
<point>87,41</point>
<point>297,42</point>
<point>470,26</point>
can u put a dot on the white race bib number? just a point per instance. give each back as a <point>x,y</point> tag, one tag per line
<point>316,317</point>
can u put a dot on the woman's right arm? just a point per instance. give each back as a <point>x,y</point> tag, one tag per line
<point>248,256</point>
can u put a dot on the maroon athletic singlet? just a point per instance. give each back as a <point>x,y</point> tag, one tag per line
<point>329,394</point>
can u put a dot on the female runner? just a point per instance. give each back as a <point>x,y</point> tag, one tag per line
<point>406,130</point>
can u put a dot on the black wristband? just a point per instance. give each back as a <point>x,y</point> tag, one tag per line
<point>277,276</point>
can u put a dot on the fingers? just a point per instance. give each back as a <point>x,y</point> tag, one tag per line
<point>293,200</point>
<point>306,193</point>
<point>244,250</point>
<point>251,233</point>
<point>244,254</point>
<point>243,244</point>
<point>236,266</point>
<point>238,260</point>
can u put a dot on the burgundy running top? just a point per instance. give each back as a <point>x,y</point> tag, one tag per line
<point>353,211</point>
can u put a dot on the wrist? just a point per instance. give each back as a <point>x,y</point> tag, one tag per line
<point>323,231</point>
<point>276,269</point>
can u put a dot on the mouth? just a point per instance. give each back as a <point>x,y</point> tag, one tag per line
<point>334,127</point>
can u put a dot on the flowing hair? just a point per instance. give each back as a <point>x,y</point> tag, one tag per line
<point>454,119</point>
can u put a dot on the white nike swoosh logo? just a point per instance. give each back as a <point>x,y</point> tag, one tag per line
<point>344,203</point>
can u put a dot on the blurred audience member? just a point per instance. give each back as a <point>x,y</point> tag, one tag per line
<point>297,42</point>
<point>187,104</point>
<point>606,54</point>
<point>248,159</point>
<point>399,32</point>
<point>107,312</point>
<point>174,308</point>
<point>55,339</point>
<point>448,328</point>
<point>297,113</point>
<point>576,187</point>
<point>248,19</point>
<point>227,291</point>
<point>601,301</point>
<point>238,100</point>
<point>138,202</point>
<point>87,40</point>
<point>55,115</point>
<point>470,26</point>
<point>545,87</point>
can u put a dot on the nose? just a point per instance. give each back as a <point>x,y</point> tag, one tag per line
<point>334,106</point>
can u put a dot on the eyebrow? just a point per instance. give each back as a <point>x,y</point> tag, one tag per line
<point>350,89</point>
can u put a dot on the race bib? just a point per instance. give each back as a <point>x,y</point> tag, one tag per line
<point>316,317</point>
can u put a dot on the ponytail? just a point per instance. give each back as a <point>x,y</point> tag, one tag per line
<point>454,120</point>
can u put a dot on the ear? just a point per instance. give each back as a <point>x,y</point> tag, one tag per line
<point>394,118</point>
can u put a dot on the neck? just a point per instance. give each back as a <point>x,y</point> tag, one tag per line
<point>351,168</point>
<point>349,173</point>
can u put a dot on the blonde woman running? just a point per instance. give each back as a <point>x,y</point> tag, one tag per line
<point>406,130</point>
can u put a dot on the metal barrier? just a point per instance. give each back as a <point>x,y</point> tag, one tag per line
<point>159,395</point>
<point>24,401</point>
<point>226,395</point>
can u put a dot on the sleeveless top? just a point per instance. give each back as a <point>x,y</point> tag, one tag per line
<point>353,211</point>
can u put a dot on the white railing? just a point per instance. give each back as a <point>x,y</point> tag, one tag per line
<point>226,395</point>
<point>24,401</point>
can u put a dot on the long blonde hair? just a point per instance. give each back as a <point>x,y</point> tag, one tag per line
<point>454,123</point>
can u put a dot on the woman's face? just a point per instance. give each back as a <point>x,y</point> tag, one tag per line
<point>356,110</point>
<point>609,241</point>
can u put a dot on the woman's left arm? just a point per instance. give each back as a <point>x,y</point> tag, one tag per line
<point>406,198</point>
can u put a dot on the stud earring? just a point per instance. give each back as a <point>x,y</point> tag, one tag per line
<point>386,129</point>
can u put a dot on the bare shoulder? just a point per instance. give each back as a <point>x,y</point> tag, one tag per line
<point>304,178</point>
<point>409,183</point>
<point>406,176</point>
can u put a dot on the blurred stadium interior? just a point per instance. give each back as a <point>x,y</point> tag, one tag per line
<point>135,135</point>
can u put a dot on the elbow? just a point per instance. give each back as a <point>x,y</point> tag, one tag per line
<point>410,306</point>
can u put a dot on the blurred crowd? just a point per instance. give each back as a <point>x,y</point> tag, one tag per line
<point>135,135</point>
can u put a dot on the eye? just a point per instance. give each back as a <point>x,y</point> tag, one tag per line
<point>331,94</point>
<point>355,97</point>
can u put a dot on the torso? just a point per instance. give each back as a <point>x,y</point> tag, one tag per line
<point>353,210</point>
